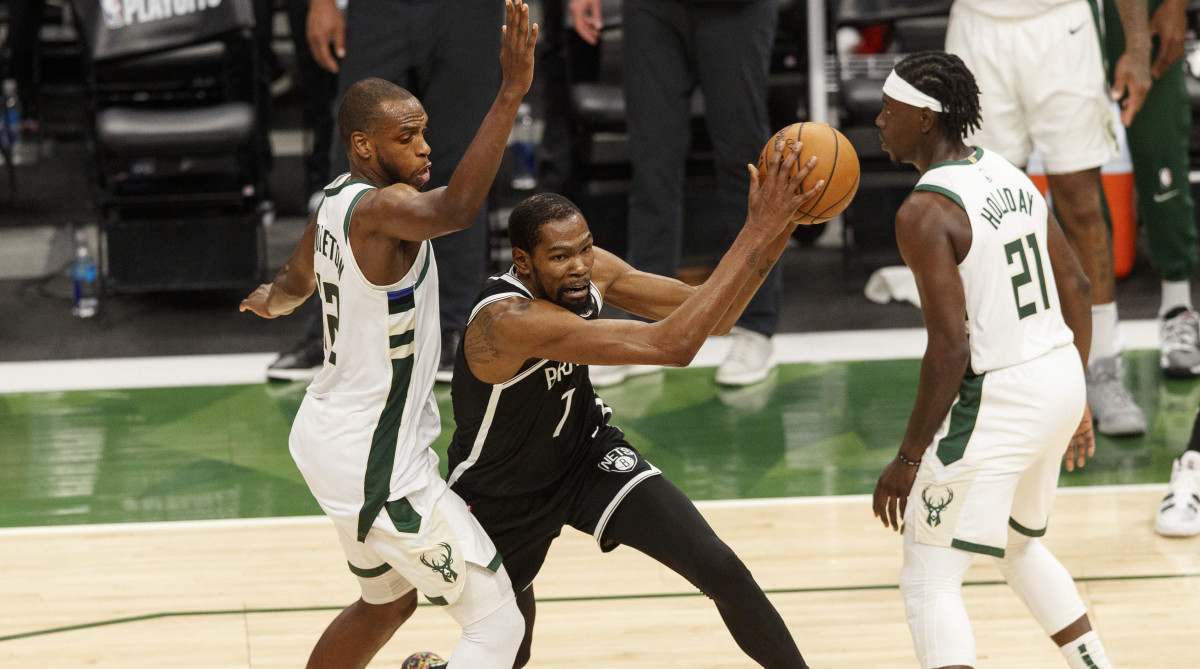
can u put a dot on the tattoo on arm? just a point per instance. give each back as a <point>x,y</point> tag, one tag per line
<point>478,347</point>
<point>766,268</point>
<point>752,258</point>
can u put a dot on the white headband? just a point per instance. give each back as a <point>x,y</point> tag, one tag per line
<point>900,90</point>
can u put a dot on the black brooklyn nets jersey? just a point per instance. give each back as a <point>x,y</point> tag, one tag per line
<point>522,435</point>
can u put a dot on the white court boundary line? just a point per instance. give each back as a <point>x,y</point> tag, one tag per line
<point>250,368</point>
<point>305,521</point>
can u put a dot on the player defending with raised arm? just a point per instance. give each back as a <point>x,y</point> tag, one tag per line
<point>361,437</point>
<point>1001,391</point>
<point>533,450</point>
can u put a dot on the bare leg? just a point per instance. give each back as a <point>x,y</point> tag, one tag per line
<point>1077,200</point>
<point>1072,632</point>
<point>359,631</point>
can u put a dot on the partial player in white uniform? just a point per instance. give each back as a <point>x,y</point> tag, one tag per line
<point>1040,72</point>
<point>1001,393</point>
<point>363,433</point>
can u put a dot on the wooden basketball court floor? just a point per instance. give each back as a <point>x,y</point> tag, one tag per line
<point>150,517</point>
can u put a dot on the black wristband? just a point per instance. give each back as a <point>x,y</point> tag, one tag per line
<point>908,461</point>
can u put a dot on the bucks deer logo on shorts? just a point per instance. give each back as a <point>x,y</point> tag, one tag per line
<point>936,500</point>
<point>619,459</point>
<point>442,567</point>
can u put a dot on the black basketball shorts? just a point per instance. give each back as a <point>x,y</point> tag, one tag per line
<point>585,497</point>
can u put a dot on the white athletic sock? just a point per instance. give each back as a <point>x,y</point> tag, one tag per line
<point>1104,332</point>
<point>1086,652</point>
<point>1175,294</point>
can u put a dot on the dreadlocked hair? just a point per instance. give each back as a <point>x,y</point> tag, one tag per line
<point>948,80</point>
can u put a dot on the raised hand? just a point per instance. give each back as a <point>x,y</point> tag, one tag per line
<point>774,196</point>
<point>516,50</point>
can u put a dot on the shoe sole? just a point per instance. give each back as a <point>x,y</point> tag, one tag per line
<point>1179,372</point>
<point>292,374</point>
<point>745,380</point>
<point>1175,531</point>
<point>1131,432</point>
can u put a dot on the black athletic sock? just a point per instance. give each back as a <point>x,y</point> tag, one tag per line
<point>660,521</point>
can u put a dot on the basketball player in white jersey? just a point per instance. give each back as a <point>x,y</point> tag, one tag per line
<point>361,437</point>
<point>1001,393</point>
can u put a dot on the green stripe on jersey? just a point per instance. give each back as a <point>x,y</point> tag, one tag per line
<point>401,304</point>
<point>402,339</point>
<point>330,192</point>
<point>962,420</point>
<point>425,268</point>
<point>350,211</point>
<point>975,157</point>
<point>382,458</point>
<point>942,191</point>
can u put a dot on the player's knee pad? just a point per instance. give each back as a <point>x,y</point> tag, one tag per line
<point>491,641</point>
<point>931,584</point>
<point>1041,582</point>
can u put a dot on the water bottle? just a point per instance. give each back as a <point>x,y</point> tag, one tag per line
<point>85,288</point>
<point>524,148</point>
<point>12,118</point>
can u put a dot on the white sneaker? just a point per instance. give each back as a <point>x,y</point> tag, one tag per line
<point>603,376</point>
<point>1179,343</point>
<point>1113,408</point>
<point>1179,514</point>
<point>751,357</point>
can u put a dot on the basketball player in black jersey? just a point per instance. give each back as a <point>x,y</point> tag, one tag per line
<point>533,450</point>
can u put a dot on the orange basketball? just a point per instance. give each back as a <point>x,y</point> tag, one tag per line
<point>837,164</point>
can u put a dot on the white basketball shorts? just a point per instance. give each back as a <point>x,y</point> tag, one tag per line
<point>1041,83</point>
<point>426,540</point>
<point>995,461</point>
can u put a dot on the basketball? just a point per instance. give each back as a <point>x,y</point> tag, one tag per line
<point>423,660</point>
<point>837,164</point>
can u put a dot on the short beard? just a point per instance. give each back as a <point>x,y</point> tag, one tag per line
<point>581,308</point>
<point>395,177</point>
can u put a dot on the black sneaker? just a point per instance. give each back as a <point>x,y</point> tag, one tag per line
<point>445,372</point>
<point>299,364</point>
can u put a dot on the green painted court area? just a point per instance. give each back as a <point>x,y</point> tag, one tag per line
<point>221,452</point>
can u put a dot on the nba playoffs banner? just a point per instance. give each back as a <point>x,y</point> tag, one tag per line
<point>115,28</point>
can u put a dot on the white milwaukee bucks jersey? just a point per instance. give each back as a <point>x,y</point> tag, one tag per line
<point>1013,312</point>
<point>362,435</point>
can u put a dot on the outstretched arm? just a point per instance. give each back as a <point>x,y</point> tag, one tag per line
<point>401,212</point>
<point>925,229</point>
<point>293,284</point>
<point>504,335</point>
<point>646,295</point>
